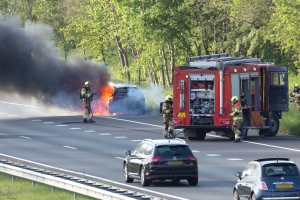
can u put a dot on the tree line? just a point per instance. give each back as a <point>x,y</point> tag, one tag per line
<point>142,40</point>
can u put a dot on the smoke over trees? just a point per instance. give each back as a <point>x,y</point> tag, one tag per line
<point>31,64</point>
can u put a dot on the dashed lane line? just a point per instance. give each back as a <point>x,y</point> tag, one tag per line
<point>13,115</point>
<point>25,137</point>
<point>234,159</point>
<point>75,128</point>
<point>36,120</point>
<point>70,147</point>
<point>212,155</point>
<point>136,140</point>
<point>48,122</point>
<point>196,151</point>
<point>104,134</point>
<point>90,131</point>
<point>119,137</point>
<point>62,125</point>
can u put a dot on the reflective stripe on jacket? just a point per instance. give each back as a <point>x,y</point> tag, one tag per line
<point>237,112</point>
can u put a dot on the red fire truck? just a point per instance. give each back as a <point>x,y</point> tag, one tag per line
<point>202,94</point>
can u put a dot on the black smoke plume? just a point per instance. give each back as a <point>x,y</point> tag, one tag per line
<point>32,66</point>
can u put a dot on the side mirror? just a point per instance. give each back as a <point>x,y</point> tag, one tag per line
<point>239,175</point>
<point>128,152</point>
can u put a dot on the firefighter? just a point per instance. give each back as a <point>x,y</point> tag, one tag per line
<point>86,97</point>
<point>295,95</point>
<point>167,112</point>
<point>237,116</point>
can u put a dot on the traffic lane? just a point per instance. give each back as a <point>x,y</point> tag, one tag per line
<point>245,150</point>
<point>103,165</point>
<point>282,140</point>
<point>87,162</point>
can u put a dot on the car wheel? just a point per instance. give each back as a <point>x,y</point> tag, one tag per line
<point>193,181</point>
<point>126,177</point>
<point>144,181</point>
<point>253,197</point>
<point>235,195</point>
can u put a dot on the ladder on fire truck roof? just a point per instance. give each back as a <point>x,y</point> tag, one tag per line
<point>220,61</point>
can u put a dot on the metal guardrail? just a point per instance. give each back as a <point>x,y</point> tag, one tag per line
<point>71,183</point>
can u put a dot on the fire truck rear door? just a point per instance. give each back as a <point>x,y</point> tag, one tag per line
<point>278,89</point>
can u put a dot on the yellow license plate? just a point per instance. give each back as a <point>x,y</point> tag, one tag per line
<point>284,186</point>
<point>175,163</point>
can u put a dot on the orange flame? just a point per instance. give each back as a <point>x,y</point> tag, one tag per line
<point>105,95</point>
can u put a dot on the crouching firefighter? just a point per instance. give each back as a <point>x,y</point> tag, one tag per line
<point>167,114</point>
<point>237,116</point>
<point>86,96</point>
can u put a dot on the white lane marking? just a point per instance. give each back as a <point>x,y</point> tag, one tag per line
<point>196,151</point>
<point>3,113</point>
<point>62,125</point>
<point>118,137</point>
<point>234,159</point>
<point>90,131</point>
<point>298,150</point>
<point>25,137</point>
<point>96,177</point>
<point>104,134</point>
<point>119,158</point>
<point>48,122</point>
<point>212,155</point>
<point>47,108</point>
<point>13,115</point>
<point>132,121</point>
<point>136,140</point>
<point>75,128</point>
<point>36,120</point>
<point>24,117</point>
<point>279,147</point>
<point>70,147</point>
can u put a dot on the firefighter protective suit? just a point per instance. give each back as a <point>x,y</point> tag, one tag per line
<point>86,97</point>
<point>167,114</point>
<point>237,116</point>
<point>295,96</point>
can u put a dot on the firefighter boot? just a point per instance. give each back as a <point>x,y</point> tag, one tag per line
<point>91,121</point>
<point>165,134</point>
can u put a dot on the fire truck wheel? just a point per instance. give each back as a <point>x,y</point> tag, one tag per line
<point>274,126</point>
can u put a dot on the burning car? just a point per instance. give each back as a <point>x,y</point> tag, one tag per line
<point>127,100</point>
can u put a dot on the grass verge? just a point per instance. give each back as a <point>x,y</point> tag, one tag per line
<point>22,189</point>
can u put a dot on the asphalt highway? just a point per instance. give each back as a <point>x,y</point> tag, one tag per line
<point>57,138</point>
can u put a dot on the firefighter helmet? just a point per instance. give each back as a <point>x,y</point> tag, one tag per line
<point>296,85</point>
<point>87,83</point>
<point>169,98</point>
<point>234,99</point>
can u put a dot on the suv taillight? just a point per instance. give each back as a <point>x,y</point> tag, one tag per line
<point>154,159</point>
<point>192,159</point>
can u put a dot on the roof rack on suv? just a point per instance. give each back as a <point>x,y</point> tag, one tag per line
<point>268,159</point>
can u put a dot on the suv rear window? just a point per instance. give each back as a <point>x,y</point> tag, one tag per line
<point>279,170</point>
<point>172,150</point>
<point>128,91</point>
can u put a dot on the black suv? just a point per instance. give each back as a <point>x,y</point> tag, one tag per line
<point>268,178</point>
<point>161,160</point>
<point>127,100</point>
